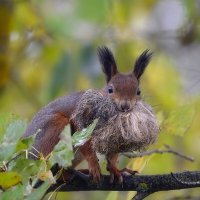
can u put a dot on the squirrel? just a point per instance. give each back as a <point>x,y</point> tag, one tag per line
<point>122,90</point>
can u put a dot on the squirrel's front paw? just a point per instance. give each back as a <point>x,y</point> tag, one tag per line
<point>95,172</point>
<point>115,176</point>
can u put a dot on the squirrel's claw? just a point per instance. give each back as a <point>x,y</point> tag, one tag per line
<point>95,173</point>
<point>117,175</point>
<point>127,171</point>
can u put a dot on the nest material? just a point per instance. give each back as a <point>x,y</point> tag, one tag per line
<point>116,131</point>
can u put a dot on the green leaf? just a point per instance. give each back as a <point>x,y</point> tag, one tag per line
<point>9,179</point>
<point>10,139</point>
<point>6,151</point>
<point>92,10</point>
<point>190,8</point>
<point>61,72</point>
<point>179,120</point>
<point>14,193</point>
<point>14,131</point>
<point>113,195</point>
<point>81,137</point>
<point>5,120</point>
<point>39,192</point>
<point>63,152</point>
<point>25,143</point>
<point>28,168</point>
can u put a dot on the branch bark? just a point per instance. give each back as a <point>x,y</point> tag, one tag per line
<point>143,184</point>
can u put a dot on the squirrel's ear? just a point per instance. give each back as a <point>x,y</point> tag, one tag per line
<point>141,63</point>
<point>107,61</point>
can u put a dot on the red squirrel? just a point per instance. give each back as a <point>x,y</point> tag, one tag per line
<point>122,89</point>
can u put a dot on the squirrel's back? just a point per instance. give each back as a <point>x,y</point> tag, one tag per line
<point>49,122</point>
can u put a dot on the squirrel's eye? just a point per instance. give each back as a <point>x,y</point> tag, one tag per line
<point>110,90</point>
<point>138,92</point>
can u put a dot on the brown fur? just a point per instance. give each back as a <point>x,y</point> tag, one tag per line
<point>124,90</point>
<point>49,122</point>
<point>116,131</point>
<point>125,123</point>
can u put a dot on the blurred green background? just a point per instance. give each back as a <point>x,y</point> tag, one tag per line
<point>48,49</point>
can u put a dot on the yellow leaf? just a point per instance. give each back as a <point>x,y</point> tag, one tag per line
<point>47,175</point>
<point>137,164</point>
<point>131,194</point>
<point>9,179</point>
<point>180,119</point>
<point>112,195</point>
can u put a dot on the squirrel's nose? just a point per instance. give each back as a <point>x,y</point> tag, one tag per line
<point>125,107</point>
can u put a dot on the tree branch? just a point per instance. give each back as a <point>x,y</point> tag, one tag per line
<point>143,184</point>
<point>158,151</point>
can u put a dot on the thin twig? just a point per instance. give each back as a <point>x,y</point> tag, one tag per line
<point>170,150</point>
<point>55,191</point>
<point>6,164</point>
<point>15,157</point>
<point>26,151</point>
<point>159,151</point>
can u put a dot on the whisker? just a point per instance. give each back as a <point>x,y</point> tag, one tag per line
<point>156,105</point>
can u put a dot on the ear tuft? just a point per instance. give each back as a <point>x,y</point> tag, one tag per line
<point>107,61</point>
<point>141,63</point>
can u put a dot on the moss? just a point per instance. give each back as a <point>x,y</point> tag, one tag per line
<point>143,186</point>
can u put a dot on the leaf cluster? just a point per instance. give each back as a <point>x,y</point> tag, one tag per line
<point>18,174</point>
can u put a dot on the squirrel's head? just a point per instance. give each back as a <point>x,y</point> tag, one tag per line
<point>123,88</point>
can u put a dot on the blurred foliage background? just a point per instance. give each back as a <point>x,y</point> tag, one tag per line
<point>48,49</point>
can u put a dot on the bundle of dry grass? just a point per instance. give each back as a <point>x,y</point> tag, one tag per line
<point>116,131</point>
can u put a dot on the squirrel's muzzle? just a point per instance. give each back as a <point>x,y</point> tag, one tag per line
<point>125,106</point>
